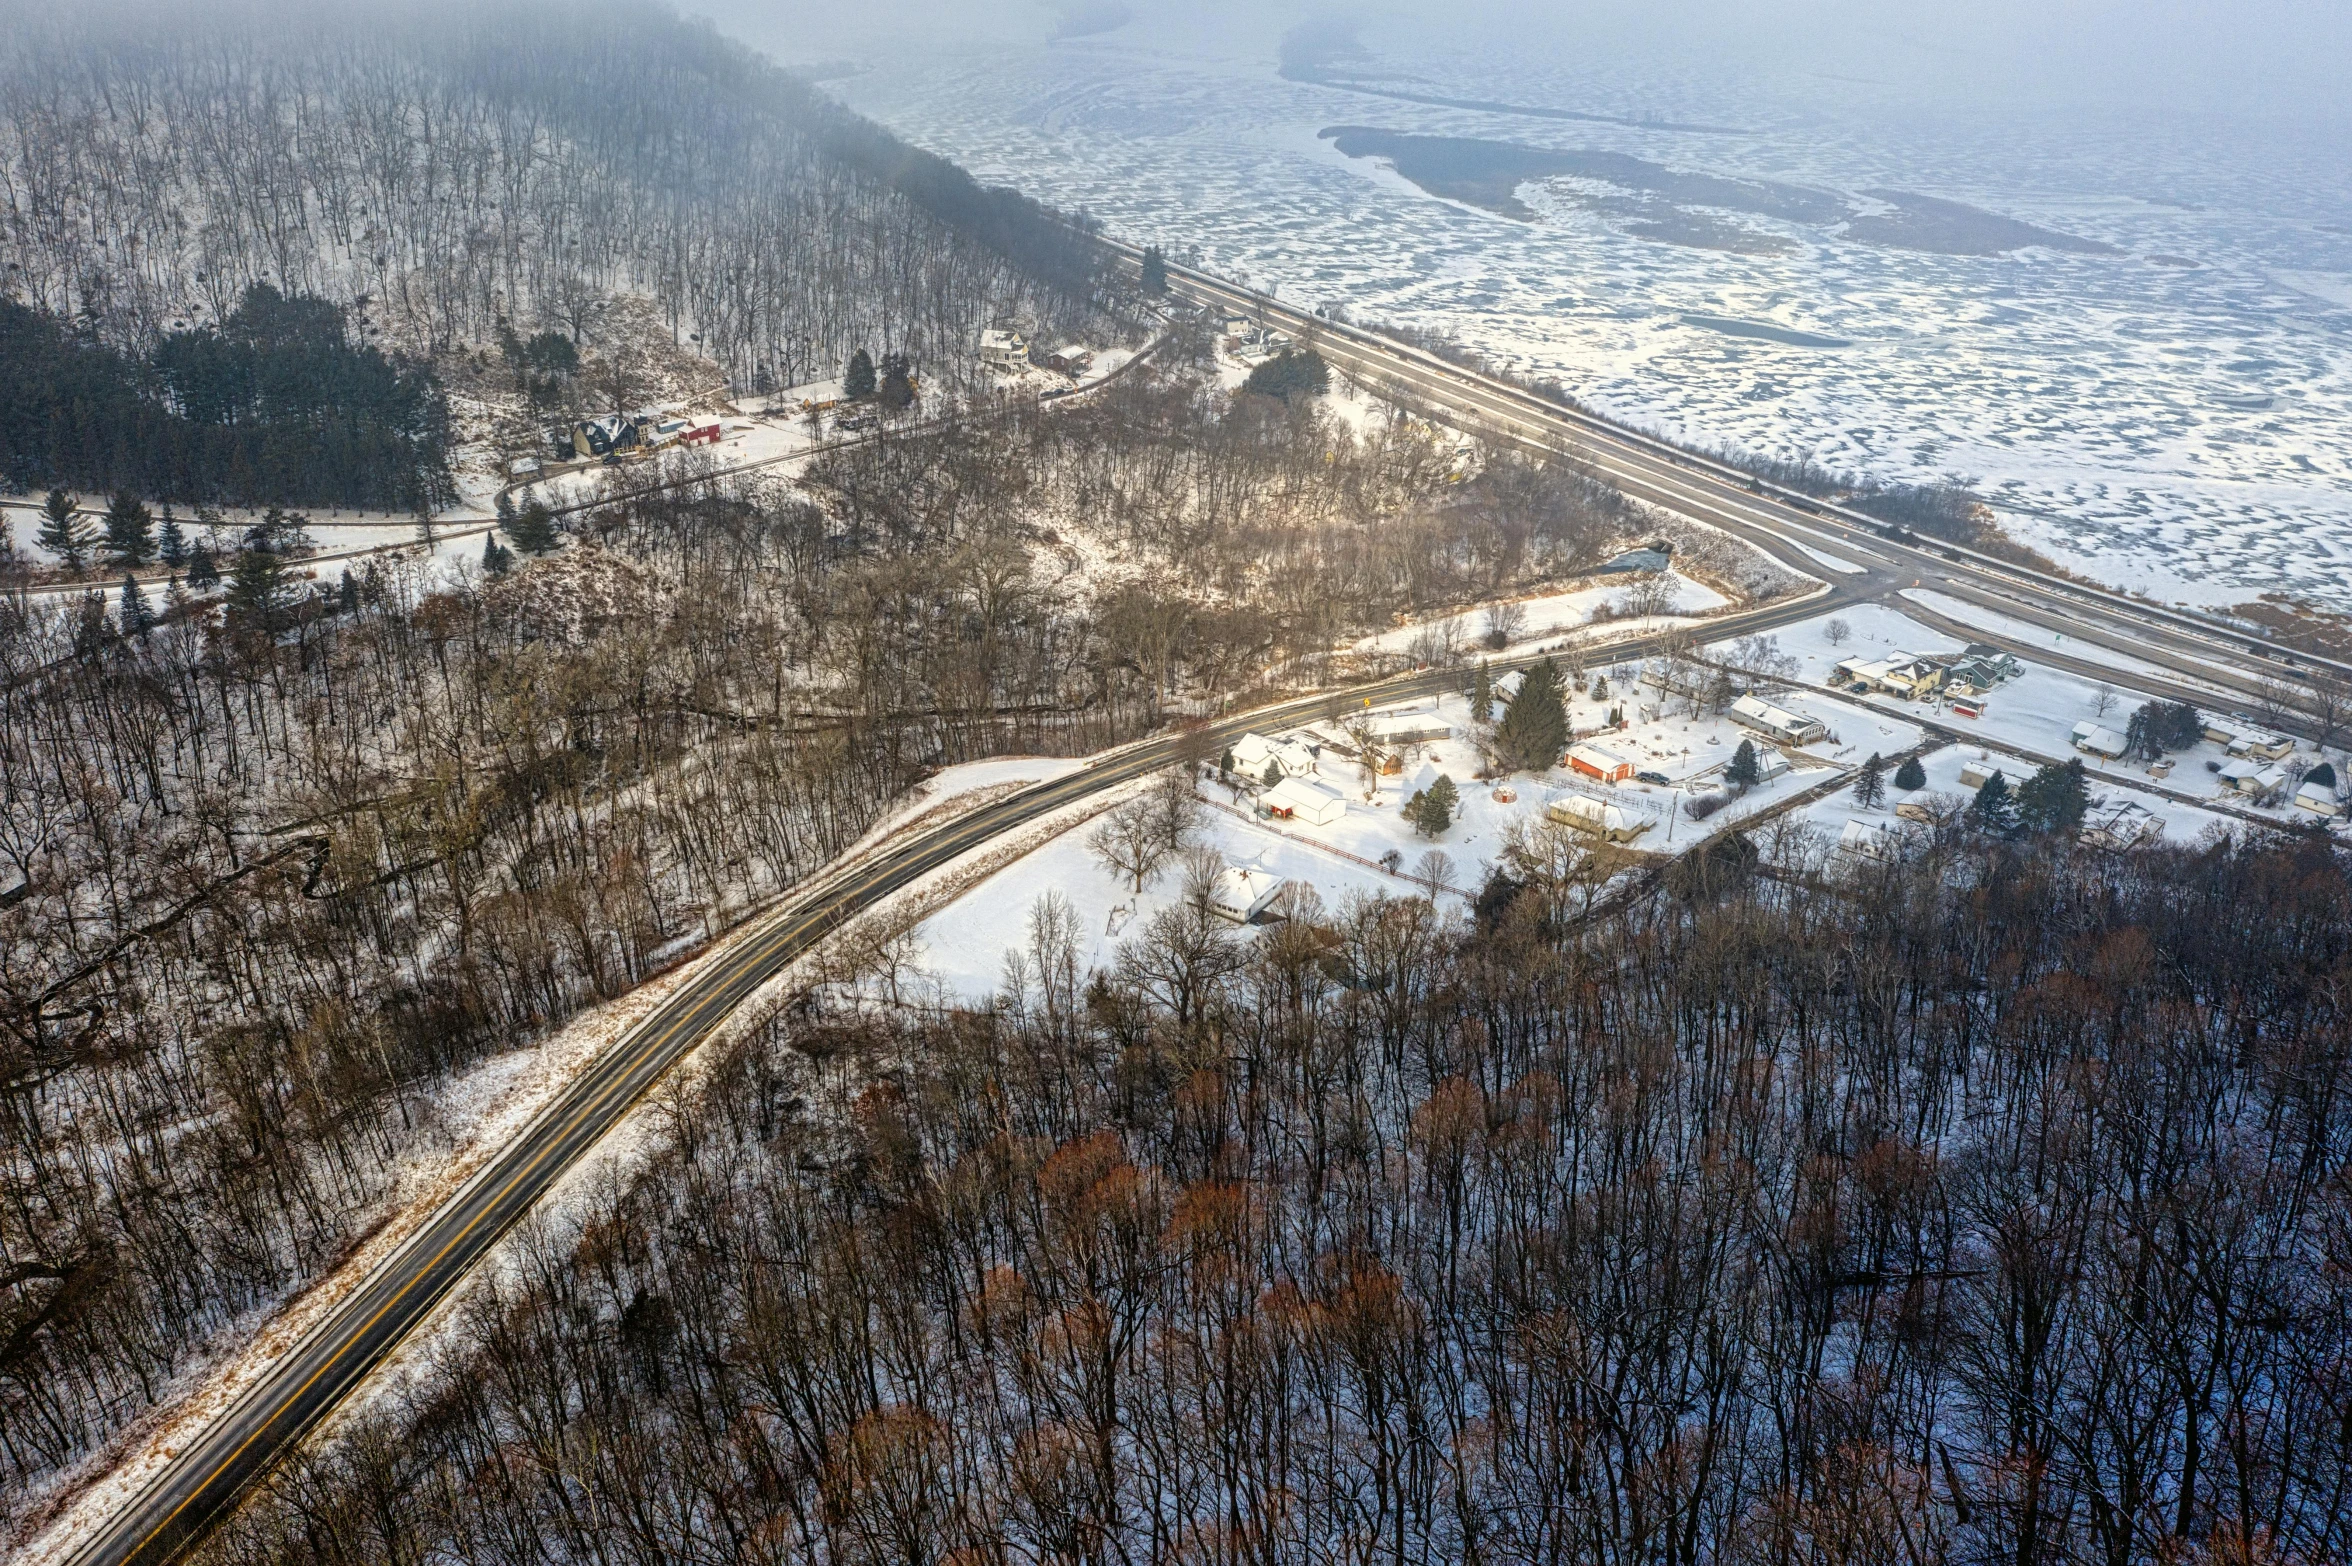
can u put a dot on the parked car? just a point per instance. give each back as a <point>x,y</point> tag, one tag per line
<point>1659,778</point>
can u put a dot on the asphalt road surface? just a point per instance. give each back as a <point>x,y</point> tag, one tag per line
<point>1783,524</point>
<point>195,1488</point>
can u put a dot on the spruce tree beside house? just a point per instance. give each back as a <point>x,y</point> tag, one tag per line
<point>1741,772</point>
<point>1994,810</point>
<point>1534,729</point>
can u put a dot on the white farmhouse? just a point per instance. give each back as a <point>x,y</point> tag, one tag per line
<point>1004,350</point>
<point>1290,757</point>
<point>1241,894</point>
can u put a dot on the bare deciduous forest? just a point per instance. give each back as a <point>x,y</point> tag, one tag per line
<point>447,168</point>
<point>1992,1208</point>
<point>273,868</point>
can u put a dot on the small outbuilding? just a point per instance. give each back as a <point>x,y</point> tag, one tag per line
<point>1610,823</point>
<point>1600,763</point>
<point>1293,799</point>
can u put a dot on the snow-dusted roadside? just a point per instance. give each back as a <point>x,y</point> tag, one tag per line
<point>621,1154</point>
<point>471,1118</point>
<point>461,1127</point>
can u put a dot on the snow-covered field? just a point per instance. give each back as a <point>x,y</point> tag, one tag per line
<point>957,954</point>
<point>1550,614</point>
<point>2170,413</point>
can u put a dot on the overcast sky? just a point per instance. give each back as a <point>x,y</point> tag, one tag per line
<point>2260,59</point>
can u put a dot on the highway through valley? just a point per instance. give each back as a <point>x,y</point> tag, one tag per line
<point>2189,657</point>
<point>196,1487</point>
<point>1800,531</point>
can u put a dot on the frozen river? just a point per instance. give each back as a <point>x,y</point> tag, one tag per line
<point>2158,387</point>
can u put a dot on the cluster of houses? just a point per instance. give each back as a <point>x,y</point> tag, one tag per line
<point>1005,350</point>
<point>2258,762</point>
<point>1287,771</point>
<point>1963,679</point>
<point>633,435</point>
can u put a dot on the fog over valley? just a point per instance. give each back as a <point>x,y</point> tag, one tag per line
<point>2095,258</point>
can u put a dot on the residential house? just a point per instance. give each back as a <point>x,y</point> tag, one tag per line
<point>1776,723</point>
<point>1290,757</point>
<point>1873,840</point>
<point>2261,745</point>
<point>1241,894</point>
<point>2247,776</point>
<point>2096,739</point>
<point>1897,674</point>
<point>1410,728</point>
<point>1004,350</point>
<point>1610,823</point>
<point>2116,825</point>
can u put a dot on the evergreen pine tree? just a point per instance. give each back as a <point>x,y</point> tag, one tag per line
<point>1155,271</point>
<point>203,570</point>
<point>61,532</point>
<point>506,507</point>
<point>533,529</point>
<point>1437,806</point>
<point>1994,810</point>
<point>130,531</point>
<point>898,383</point>
<point>347,593</point>
<point>2055,799</point>
<point>1534,729</point>
<point>497,559</point>
<point>1482,693</point>
<point>170,542</point>
<point>1870,783</point>
<point>134,614</point>
<point>1273,773</point>
<point>259,586</point>
<point>1742,771</point>
<point>1910,775</point>
<point>858,382</point>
